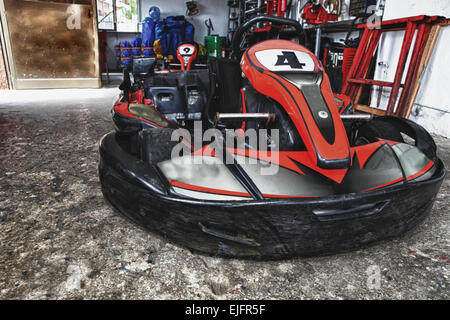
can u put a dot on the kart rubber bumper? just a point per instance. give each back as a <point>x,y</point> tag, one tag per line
<point>261,229</point>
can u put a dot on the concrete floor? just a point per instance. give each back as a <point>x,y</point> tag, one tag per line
<point>60,240</point>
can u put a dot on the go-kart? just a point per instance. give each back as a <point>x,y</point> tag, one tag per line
<point>256,157</point>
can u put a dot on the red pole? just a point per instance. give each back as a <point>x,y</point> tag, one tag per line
<point>421,38</point>
<point>409,33</point>
<point>357,60</point>
<point>368,56</point>
<point>282,7</point>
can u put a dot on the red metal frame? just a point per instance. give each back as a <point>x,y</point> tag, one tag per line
<point>365,54</point>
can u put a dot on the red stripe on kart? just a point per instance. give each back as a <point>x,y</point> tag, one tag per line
<point>286,196</point>
<point>206,151</point>
<point>226,192</point>
<point>364,152</point>
<point>208,190</point>
<point>389,142</point>
<point>385,185</point>
<point>244,108</point>
<point>421,172</point>
<point>285,159</point>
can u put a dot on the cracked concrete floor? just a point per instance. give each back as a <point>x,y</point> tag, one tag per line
<point>60,240</point>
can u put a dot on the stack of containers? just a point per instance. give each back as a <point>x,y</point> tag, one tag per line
<point>126,53</point>
<point>137,47</point>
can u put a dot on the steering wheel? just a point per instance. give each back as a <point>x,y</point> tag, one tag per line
<point>236,42</point>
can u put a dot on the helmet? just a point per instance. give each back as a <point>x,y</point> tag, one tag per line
<point>154,13</point>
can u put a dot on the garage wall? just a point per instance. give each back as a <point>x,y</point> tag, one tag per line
<point>432,105</point>
<point>405,8</point>
<point>217,10</point>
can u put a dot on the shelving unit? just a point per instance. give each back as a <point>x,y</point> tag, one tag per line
<point>240,11</point>
<point>334,26</point>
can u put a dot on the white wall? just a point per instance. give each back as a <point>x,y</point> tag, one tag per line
<point>432,105</point>
<point>395,9</point>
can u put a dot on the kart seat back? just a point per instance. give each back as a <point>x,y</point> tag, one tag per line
<point>291,75</point>
<point>225,86</point>
<point>186,54</point>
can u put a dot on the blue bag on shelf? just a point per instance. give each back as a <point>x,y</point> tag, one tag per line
<point>175,33</point>
<point>148,31</point>
<point>161,34</point>
<point>148,37</point>
<point>172,32</point>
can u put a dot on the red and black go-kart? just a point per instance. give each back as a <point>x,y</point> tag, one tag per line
<point>340,182</point>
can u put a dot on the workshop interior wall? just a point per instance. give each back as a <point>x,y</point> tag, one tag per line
<point>432,105</point>
<point>217,10</point>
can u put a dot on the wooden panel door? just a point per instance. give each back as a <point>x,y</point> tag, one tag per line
<point>51,44</point>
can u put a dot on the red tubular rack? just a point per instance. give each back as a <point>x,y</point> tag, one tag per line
<point>363,62</point>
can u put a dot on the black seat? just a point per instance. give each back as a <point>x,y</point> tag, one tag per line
<point>225,86</point>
